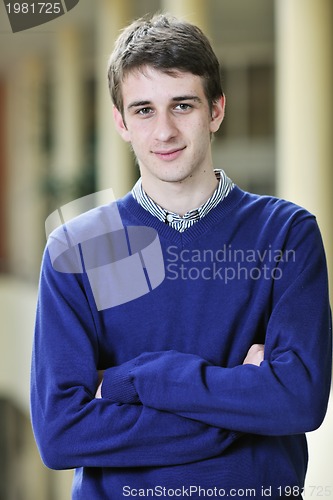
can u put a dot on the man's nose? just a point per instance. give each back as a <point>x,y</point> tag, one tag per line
<point>165,128</point>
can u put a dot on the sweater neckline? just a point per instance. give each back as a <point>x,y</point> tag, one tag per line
<point>215,215</point>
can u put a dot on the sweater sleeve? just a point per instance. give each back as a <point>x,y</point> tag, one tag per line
<point>288,393</point>
<point>74,429</point>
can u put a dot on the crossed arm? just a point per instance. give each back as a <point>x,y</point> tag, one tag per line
<point>255,356</point>
<point>197,407</point>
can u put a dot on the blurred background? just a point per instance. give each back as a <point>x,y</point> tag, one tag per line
<point>58,143</point>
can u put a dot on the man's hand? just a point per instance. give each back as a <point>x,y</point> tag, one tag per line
<point>255,355</point>
<point>98,394</point>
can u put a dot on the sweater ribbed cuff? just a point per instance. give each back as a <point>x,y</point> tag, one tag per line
<point>118,385</point>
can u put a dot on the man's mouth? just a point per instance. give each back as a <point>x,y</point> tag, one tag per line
<point>170,154</point>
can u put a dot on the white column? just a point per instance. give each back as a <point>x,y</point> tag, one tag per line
<point>304,30</point>
<point>26,239</point>
<point>68,105</point>
<point>114,161</point>
<point>25,167</point>
<point>193,11</point>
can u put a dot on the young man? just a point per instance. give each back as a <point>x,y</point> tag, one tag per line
<point>206,384</point>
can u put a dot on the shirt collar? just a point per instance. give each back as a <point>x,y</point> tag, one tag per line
<point>179,223</point>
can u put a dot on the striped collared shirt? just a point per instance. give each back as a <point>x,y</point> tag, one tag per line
<point>176,221</point>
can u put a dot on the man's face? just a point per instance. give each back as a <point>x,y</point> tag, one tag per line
<point>168,121</point>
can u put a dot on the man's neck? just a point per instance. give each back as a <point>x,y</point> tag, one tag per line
<point>181,197</point>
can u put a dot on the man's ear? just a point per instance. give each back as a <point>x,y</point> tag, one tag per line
<point>120,125</point>
<point>218,109</point>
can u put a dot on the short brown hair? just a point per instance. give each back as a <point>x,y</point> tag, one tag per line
<point>167,44</point>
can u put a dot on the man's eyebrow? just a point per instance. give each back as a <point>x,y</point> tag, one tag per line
<point>135,104</point>
<point>187,98</point>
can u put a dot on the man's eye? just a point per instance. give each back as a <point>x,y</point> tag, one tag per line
<point>144,111</point>
<point>183,106</point>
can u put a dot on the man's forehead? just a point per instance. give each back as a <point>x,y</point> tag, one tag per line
<point>166,81</point>
<point>148,70</point>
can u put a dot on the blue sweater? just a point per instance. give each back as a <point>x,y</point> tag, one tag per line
<point>180,414</point>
